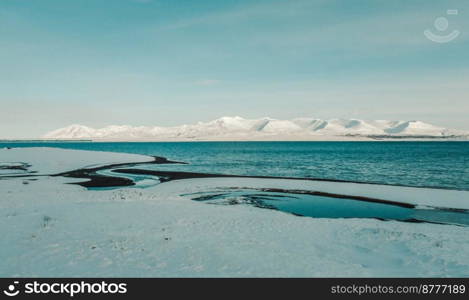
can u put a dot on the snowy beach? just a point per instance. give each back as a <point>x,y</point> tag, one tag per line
<point>50,228</point>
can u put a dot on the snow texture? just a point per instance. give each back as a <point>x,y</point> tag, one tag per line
<point>44,160</point>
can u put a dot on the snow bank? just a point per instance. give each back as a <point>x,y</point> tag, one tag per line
<point>54,160</point>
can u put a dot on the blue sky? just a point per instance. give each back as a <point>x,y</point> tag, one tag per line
<point>155,62</point>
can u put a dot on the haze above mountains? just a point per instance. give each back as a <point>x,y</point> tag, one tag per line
<point>238,128</point>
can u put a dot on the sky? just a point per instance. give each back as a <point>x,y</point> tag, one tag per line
<point>173,62</point>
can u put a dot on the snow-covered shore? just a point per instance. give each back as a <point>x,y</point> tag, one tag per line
<point>50,228</point>
<point>45,160</point>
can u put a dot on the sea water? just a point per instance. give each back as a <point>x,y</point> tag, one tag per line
<point>421,164</point>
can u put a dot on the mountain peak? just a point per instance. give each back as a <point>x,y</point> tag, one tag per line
<point>238,128</point>
<point>74,131</point>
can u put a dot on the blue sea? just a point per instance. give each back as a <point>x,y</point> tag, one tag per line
<point>422,164</point>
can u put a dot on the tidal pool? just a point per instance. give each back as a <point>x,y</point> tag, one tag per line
<point>316,206</point>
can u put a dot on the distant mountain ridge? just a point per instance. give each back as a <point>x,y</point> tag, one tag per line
<point>238,128</point>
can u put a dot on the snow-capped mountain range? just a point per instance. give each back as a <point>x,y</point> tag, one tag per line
<point>237,128</point>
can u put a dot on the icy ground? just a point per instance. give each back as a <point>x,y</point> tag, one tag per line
<point>44,160</point>
<point>49,228</point>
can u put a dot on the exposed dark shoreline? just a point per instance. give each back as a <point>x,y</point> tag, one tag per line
<point>339,196</point>
<point>166,176</point>
<point>179,175</point>
<point>257,196</point>
<point>312,193</point>
<point>97,180</point>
